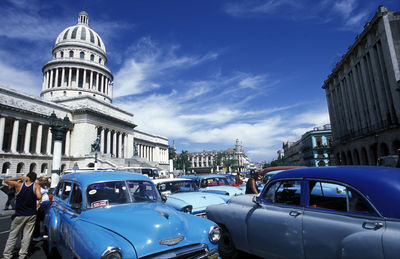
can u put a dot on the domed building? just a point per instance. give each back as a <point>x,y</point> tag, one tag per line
<point>76,84</point>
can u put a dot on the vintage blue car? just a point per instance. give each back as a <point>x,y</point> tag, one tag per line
<point>216,183</point>
<point>114,215</point>
<point>184,195</point>
<point>323,212</point>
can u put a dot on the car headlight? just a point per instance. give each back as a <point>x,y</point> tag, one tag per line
<point>214,234</point>
<point>111,253</point>
<point>188,209</point>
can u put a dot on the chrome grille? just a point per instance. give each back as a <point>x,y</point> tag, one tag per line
<point>198,251</point>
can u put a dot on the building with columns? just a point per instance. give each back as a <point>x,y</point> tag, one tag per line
<point>363,94</point>
<point>206,161</point>
<point>76,84</point>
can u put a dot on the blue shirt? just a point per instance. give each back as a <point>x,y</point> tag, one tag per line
<point>25,204</point>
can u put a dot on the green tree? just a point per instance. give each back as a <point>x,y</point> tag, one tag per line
<point>181,161</point>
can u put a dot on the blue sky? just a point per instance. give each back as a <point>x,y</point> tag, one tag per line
<point>202,73</point>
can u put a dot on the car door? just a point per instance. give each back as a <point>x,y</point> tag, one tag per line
<point>65,227</point>
<point>339,222</point>
<point>70,217</point>
<point>274,225</point>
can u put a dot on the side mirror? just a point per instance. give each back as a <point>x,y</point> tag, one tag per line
<point>163,198</point>
<point>256,200</point>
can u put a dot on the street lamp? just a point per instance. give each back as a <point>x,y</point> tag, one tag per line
<point>58,128</point>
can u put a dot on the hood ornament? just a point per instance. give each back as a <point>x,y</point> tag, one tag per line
<point>165,215</point>
<point>171,241</point>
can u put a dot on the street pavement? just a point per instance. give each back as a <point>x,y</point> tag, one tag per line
<point>35,252</point>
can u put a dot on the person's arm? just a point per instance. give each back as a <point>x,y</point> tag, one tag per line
<point>253,186</point>
<point>37,192</point>
<point>15,182</point>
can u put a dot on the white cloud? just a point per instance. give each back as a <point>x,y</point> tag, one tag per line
<point>15,78</point>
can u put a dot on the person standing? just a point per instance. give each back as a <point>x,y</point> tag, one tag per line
<point>27,194</point>
<point>43,205</point>
<point>238,180</point>
<point>251,185</point>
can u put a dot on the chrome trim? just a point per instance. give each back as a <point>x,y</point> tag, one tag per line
<point>109,250</point>
<point>211,232</point>
<point>202,249</point>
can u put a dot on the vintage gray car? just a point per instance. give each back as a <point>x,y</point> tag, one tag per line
<point>329,212</point>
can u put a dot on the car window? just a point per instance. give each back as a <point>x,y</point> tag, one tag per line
<point>66,191</point>
<point>284,192</point>
<point>142,191</point>
<point>107,193</point>
<point>167,188</point>
<point>214,182</point>
<point>337,197</point>
<point>59,189</point>
<point>76,195</point>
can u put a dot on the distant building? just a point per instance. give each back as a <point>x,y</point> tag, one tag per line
<point>292,153</point>
<point>76,84</point>
<point>363,94</point>
<point>316,147</point>
<point>206,161</point>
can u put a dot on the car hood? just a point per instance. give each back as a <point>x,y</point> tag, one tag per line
<point>146,224</point>
<point>198,200</point>
<point>231,190</point>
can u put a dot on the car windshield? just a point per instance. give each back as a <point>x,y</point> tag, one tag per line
<point>231,179</point>
<point>119,192</point>
<point>167,188</point>
<point>215,181</point>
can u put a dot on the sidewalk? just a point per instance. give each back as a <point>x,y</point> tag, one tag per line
<point>3,200</point>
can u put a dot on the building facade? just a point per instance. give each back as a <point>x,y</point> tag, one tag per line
<point>207,161</point>
<point>363,94</point>
<point>316,147</point>
<point>76,84</point>
<point>292,153</point>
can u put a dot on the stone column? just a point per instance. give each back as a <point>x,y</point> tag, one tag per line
<point>109,142</point>
<point>27,137</point>
<point>56,165</point>
<point>62,76</point>
<point>49,139</point>
<point>2,126</point>
<point>126,146</point>
<point>102,84</point>
<point>47,80</point>
<point>102,141</point>
<point>114,147</point>
<point>97,81</point>
<point>51,78</point>
<point>91,80</point>
<point>39,139</point>
<point>77,77</point>
<point>67,143</point>
<point>14,138</point>
<point>56,79</point>
<point>84,79</point>
<point>70,77</point>
<point>120,155</point>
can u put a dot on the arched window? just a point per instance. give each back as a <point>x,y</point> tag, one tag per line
<point>92,57</point>
<point>91,36</point>
<point>43,169</point>
<point>82,55</point>
<point>100,60</point>
<point>66,34</point>
<point>83,33</point>
<point>6,168</point>
<point>62,54</point>
<point>32,168</point>
<point>20,168</point>
<point>71,54</point>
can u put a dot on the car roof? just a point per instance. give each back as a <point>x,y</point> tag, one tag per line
<point>202,176</point>
<point>380,184</point>
<point>86,178</point>
<point>156,181</point>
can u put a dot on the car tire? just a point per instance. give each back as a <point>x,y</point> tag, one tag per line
<point>226,247</point>
<point>49,248</point>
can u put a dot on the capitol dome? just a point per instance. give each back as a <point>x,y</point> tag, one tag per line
<point>81,33</point>
<point>78,67</point>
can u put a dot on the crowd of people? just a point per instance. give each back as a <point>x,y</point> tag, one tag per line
<point>28,196</point>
